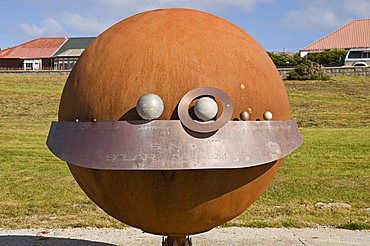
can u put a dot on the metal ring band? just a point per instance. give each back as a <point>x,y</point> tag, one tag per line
<point>186,120</point>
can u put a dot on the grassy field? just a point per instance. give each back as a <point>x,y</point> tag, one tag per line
<point>333,165</point>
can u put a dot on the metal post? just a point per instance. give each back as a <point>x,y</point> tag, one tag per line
<point>177,241</point>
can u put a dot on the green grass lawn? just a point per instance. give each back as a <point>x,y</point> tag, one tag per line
<point>333,164</point>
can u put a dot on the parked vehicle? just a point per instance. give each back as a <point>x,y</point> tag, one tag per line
<point>357,58</point>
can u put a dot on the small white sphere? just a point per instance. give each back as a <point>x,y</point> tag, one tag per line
<point>149,106</point>
<point>267,115</point>
<point>205,108</point>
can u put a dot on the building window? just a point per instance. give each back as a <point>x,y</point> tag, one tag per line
<point>29,66</point>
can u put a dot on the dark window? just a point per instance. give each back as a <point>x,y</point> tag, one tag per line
<point>355,54</point>
<point>28,65</point>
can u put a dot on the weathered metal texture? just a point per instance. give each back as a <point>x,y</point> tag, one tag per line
<point>165,145</point>
<point>174,203</point>
<point>170,52</point>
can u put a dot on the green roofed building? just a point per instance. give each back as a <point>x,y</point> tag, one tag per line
<point>67,55</point>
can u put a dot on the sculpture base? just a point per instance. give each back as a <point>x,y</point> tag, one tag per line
<point>177,241</point>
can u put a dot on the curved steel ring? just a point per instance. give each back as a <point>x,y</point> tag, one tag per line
<point>203,127</point>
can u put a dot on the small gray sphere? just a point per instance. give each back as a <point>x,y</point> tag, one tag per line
<point>149,106</point>
<point>205,108</point>
<point>244,115</point>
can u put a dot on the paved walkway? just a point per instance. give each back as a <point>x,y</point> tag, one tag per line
<point>218,236</point>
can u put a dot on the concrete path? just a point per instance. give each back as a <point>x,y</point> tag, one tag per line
<point>217,236</point>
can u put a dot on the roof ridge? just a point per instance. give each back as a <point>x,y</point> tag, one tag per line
<point>32,40</point>
<point>361,19</point>
<point>47,38</point>
<point>330,34</point>
<point>82,37</point>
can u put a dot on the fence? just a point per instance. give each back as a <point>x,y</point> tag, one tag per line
<point>332,71</point>
<point>335,71</point>
<point>22,71</point>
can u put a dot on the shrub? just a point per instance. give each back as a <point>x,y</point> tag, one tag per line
<point>308,70</point>
<point>327,58</point>
<point>283,59</point>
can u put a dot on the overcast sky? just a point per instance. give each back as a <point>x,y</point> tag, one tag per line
<point>276,24</point>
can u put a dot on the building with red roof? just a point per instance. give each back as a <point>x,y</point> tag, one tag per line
<point>33,55</point>
<point>355,34</point>
<point>44,53</point>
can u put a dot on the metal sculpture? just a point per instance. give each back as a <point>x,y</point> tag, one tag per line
<point>138,130</point>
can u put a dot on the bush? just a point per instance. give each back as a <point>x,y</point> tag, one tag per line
<point>283,59</point>
<point>308,70</point>
<point>327,58</point>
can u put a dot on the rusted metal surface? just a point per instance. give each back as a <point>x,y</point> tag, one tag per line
<point>183,109</point>
<point>169,53</point>
<point>165,145</point>
<point>181,202</point>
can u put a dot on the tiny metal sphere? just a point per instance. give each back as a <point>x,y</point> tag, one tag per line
<point>244,115</point>
<point>149,106</point>
<point>205,108</point>
<point>267,115</point>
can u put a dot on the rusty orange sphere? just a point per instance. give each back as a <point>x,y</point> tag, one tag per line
<point>170,52</point>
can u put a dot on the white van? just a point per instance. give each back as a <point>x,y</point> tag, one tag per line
<point>357,58</point>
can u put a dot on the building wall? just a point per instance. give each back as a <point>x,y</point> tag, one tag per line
<point>64,63</point>
<point>47,72</point>
<point>18,63</point>
<point>46,63</point>
<point>32,64</point>
<point>11,63</point>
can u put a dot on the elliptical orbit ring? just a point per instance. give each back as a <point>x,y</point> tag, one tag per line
<point>204,127</point>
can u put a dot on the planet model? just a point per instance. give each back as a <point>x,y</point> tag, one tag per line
<point>174,121</point>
